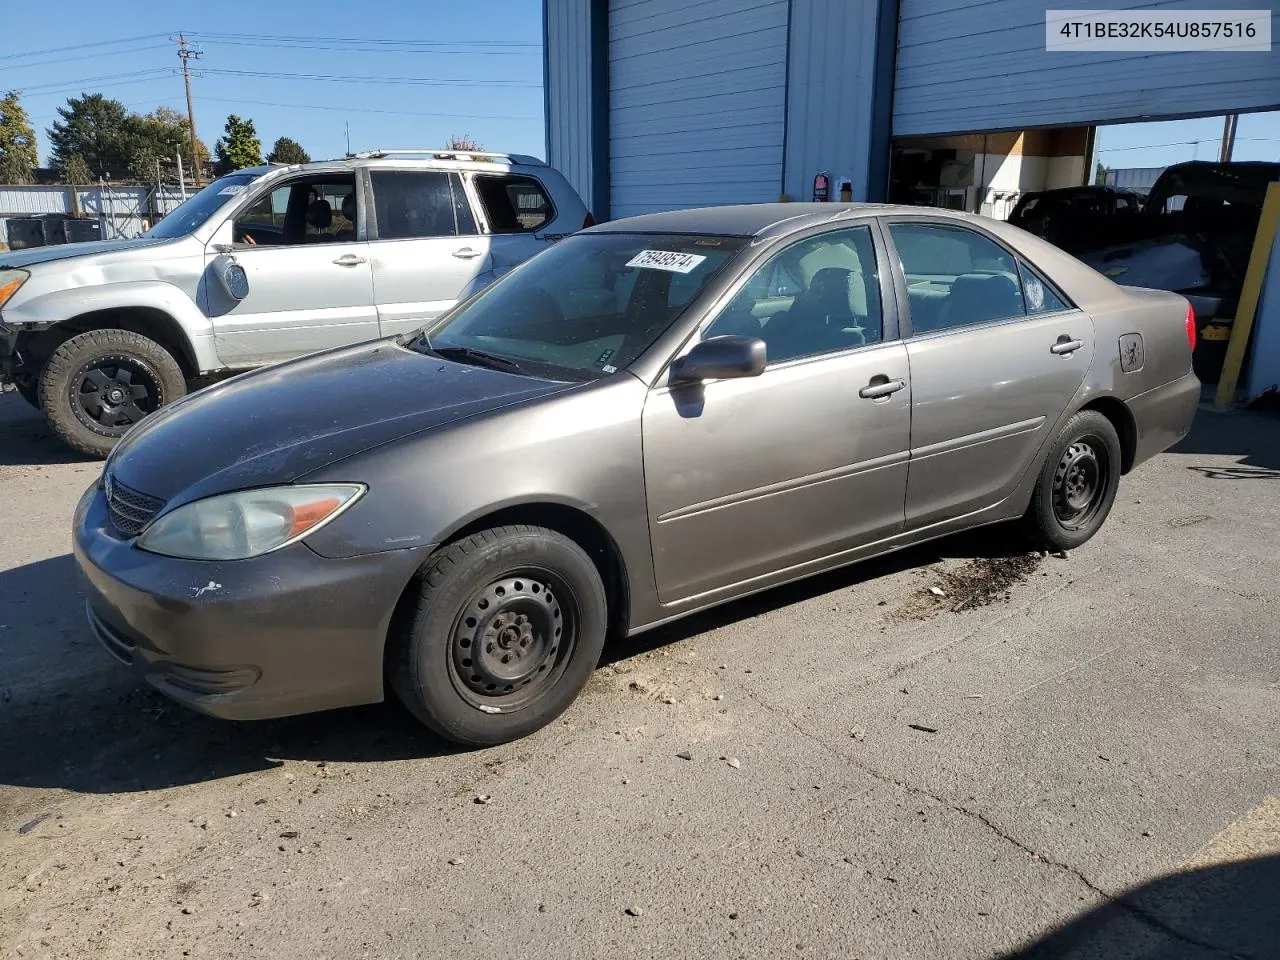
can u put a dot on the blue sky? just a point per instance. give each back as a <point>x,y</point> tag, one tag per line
<point>491,48</point>
<point>498,99</point>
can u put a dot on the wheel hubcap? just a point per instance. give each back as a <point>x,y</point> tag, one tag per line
<point>1080,483</point>
<point>512,641</point>
<point>112,394</point>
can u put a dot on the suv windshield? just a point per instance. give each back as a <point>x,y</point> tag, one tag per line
<point>585,308</point>
<point>196,209</point>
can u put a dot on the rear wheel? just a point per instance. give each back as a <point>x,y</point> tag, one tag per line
<point>97,385</point>
<point>1078,483</point>
<point>508,625</point>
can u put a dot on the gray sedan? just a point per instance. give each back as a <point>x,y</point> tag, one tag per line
<point>653,416</point>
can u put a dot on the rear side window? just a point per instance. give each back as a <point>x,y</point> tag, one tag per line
<point>956,277</point>
<point>514,203</point>
<point>414,204</point>
<point>1039,296</point>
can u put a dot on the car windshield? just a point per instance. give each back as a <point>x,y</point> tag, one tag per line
<point>196,209</point>
<point>585,308</point>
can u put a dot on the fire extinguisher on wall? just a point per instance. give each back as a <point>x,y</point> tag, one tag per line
<point>822,188</point>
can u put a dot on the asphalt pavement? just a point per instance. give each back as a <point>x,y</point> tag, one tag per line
<point>1059,757</point>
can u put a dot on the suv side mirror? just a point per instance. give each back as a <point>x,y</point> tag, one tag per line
<point>231,276</point>
<point>721,358</point>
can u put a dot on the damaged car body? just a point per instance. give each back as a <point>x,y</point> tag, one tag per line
<point>652,417</point>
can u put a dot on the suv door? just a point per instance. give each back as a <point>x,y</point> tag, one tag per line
<point>746,477</point>
<point>996,357</point>
<point>425,245</point>
<point>517,209</point>
<point>310,286</point>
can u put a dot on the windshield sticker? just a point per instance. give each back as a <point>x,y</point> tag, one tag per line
<point>234,190</point>
<point>666,260</point>
<point>603,358</point>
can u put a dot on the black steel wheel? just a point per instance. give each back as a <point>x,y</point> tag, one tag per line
<point>504,632</point>
<point>99,384</point>
<point>1077,485</point>
<point>513,639</point>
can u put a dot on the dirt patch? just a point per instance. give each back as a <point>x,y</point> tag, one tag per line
<point>976,583</point>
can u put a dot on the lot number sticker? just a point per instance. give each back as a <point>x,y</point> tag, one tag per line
<point>665,260</point>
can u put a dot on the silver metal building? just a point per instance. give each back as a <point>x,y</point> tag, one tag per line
<point>653,104</point>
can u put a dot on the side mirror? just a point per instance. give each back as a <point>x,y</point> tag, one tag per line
<point>721,358</point>
<point>231,276</point>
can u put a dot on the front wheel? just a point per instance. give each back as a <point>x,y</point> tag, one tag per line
<point>1077,485</point>
<point>98,384</point>
<point>508,625</point>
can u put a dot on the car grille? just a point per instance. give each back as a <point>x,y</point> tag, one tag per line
<point>130,510</point>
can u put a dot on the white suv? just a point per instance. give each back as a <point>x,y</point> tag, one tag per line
<point>263,265</point>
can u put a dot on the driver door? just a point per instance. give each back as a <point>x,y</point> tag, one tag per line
<point>747,478</point>
<point>310,282</point>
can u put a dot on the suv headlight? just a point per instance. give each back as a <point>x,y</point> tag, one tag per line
<point>10,281</point>
<point>247,523</point>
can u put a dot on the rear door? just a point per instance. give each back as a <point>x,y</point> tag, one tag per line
<point>518,211</point>
<point>425,245</point>
<point>996,356</point>
<point>310,287</point>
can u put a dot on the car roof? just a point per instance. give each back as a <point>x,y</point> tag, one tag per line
<point>758,219</point>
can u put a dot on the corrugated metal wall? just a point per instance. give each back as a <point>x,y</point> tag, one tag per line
<point>697,95</point>
<point>121,209</point>
<point>966,65</point>
<point>829,107</point>
<point>568,91</point>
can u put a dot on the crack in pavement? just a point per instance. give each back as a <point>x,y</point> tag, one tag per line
<point>1137,912</point>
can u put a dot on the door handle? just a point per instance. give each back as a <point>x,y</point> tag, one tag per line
<point>1066,346</point>
<point>350,260</point>
<point>467,253</point>
<point>880,388</point>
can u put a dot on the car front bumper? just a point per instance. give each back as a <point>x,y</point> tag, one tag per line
<point>285,633</point>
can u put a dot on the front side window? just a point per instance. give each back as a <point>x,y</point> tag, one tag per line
<point>412,204</point>
<point>312,210</point>
<point>584,308</point>
<point>819,295</point>
<point>955,277</point>
<point>513,203</point>
<point>196,209</point>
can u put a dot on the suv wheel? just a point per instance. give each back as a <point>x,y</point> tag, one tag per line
<point>98,384</point>
<point>508,626</point>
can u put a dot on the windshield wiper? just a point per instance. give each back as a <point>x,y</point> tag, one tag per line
<point>477,357</point>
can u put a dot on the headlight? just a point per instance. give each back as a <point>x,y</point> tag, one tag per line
<point>248,523</point>
<point>10,281</point>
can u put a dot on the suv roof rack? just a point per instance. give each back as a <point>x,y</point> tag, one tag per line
<point>445,153</point>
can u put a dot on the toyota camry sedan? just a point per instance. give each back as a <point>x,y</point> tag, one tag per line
<point>651,417</point>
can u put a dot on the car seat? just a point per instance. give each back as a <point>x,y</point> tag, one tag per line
<point>319,215</point>
<point>820,319</point>
<point>976,297</point>
<point>348,234</point>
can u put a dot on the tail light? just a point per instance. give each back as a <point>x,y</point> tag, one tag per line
<point>589,222</point>
<point>1191,328</point>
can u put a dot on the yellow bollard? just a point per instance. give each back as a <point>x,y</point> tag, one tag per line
<point>1249,294</point>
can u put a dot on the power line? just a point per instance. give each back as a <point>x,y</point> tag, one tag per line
<point>365,46</point>
<point>362,109</point>
<point>83,83</point>
<point>81,46</point>
<point>1183,143</point>
<point>425,44</point>
<point>333,78</point>
<point>86,56</point>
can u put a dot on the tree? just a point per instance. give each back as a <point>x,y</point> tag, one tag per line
<point>163,134</point>
<point>464,143</point>
<point>1103,175</point>
<point>288,150</point>
<point>75,171</point>
<point>239,148</point>
<point>18,159</point>
<point>95,129</point>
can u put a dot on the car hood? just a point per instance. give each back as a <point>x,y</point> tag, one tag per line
<point>67,251</point>
<point>275,424</point>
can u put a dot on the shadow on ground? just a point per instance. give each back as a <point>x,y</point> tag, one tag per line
<point>1225,910</point>
<point>74,719</point>
<point>25,437</point>
<point>1254,438</point>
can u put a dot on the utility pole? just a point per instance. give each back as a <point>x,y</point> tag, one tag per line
<point>1228,137</point>
<point>186,54</point>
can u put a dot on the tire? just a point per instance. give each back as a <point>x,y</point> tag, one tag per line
<point>29,389</point>
<point>445,661</point>
<point>140,375</point>
<point>1077,484</point>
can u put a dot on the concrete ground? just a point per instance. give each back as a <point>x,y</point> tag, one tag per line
<point>1086,769</point>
